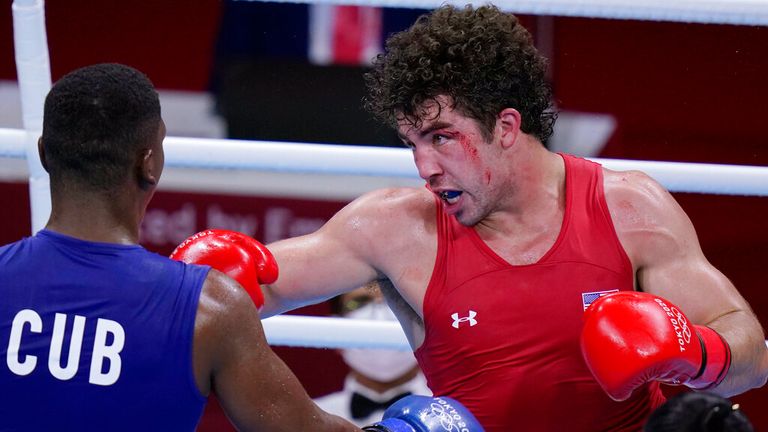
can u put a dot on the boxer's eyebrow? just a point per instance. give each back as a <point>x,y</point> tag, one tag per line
<point>439,124</point>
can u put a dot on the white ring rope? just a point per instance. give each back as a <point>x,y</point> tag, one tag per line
<point>302,158</point>
<point>739,12</point>
<point>325,332</point>
<point>34,81</point>
<point>12,143</point>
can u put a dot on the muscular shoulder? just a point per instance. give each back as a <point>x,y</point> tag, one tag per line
<point>406,203</point>
<point>221,296</point>
<point>382,213</point>
<point>645,215</point>
<point>224,311</point>
<point>388,229</point>
<point>631,194</point>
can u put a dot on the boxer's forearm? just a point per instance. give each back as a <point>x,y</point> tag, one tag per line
<point>749,363</point>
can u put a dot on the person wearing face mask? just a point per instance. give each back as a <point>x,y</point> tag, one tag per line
<point>377,377</point>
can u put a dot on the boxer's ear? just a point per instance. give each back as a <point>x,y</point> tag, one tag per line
<point>509,122</point>
<point>146,168</point>
<point>41,153</point>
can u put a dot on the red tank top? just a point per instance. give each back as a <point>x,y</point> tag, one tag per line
<point>504,339</point>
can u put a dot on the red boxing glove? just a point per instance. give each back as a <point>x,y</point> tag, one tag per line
<point>631,338</point>
<point>237,255</point>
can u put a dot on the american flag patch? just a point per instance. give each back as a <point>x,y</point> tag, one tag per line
<point>589,297</point>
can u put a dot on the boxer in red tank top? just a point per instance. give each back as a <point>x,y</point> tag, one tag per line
<point>480,310</point>
<point>492,268</point>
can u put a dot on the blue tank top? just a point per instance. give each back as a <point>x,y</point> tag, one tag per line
<point>96,336</point>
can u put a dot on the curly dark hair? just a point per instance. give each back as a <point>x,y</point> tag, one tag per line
<point>483,59</point>
<point>95,121</point>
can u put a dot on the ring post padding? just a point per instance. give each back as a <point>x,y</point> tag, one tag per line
<point>34,74</point>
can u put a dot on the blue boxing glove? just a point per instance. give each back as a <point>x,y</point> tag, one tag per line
<point>426,414</point>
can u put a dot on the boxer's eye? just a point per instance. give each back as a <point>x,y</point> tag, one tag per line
<point>438,139</point>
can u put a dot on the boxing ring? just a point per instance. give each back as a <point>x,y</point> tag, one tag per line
<point>298,158</point>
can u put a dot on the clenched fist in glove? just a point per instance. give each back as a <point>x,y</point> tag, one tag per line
<point>426,414</point>
<point>631,338</point>
<point>235,254</point>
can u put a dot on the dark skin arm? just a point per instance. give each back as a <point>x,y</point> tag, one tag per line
<point>231,357</point>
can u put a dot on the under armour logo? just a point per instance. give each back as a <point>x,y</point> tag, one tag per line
<point>457,320</point>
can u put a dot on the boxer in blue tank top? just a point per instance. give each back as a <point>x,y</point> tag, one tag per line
<point>97,333</point>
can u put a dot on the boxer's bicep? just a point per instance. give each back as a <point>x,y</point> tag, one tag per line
<point>663,246</point>
<point>669,259</point>
<point>336,258</point>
